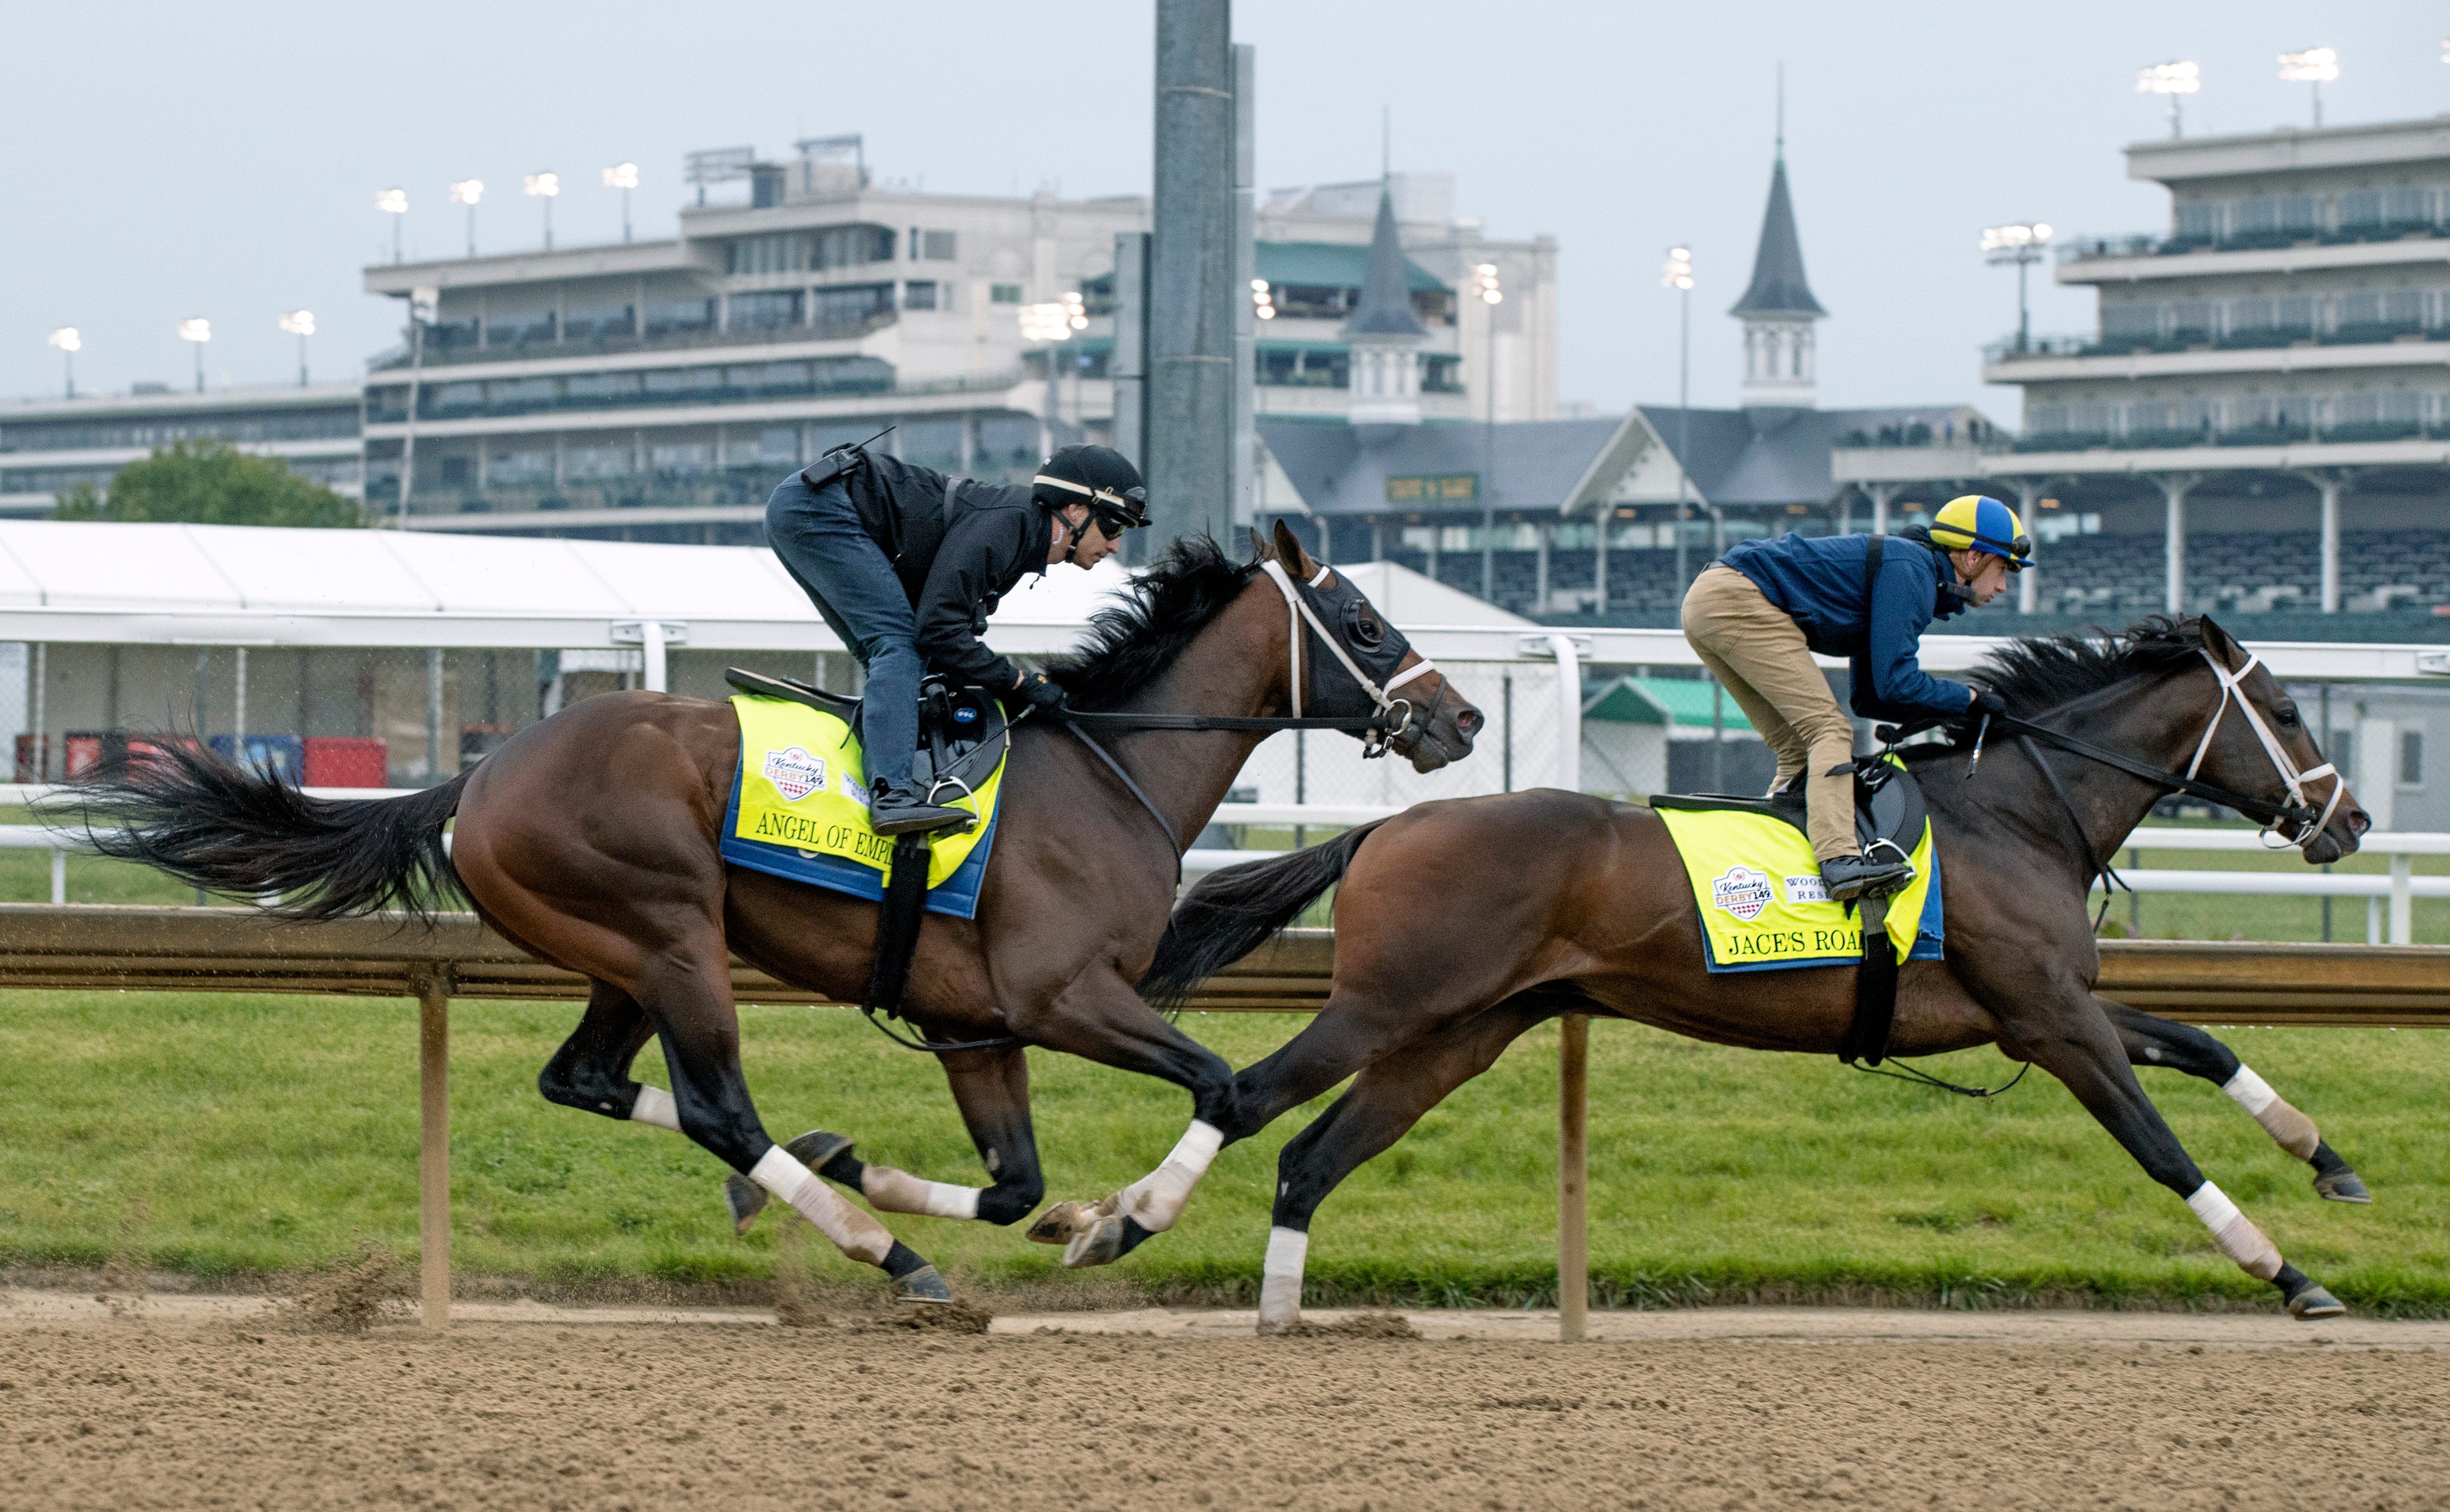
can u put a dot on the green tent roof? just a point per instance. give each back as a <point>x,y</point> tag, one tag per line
<point>1329,265</point>
<point>1683,701</point>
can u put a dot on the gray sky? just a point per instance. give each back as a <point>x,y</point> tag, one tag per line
<point>173,159</point>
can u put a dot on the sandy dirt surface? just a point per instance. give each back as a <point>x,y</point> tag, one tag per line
<point>140,1411</point>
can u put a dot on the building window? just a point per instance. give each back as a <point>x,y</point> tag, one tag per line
<point>520,328</point>
<point>681,458</point>
<point>918,294</point>
<point>520,466</point>
<point>515,395</point>
<point>593,321</point>
<point>673,383</point>
<point>936,246</point>
<point>2411,758</point>
<point>601,388</point>
<point>597,461</point>
<point>1441,373</point>
<point>1004,294</point>
<point>787,253</point>
<point>850,305</point>
<point>845,246</point>
<point>779,444</point>
<point>768,311</point>
<point>673,317</point>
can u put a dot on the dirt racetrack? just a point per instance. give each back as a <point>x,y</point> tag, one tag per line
<point>143,1413</point>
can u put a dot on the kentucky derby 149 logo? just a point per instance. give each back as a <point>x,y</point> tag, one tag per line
<point>1741,891</point>
<point>795,773</point>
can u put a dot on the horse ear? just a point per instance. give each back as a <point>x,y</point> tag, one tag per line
<point>1288,550</point>
<point>1259,550</point>
<point>2216,640</point>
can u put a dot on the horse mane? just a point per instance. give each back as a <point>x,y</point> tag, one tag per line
<point>2039,672</point>
<point>1132,641</point>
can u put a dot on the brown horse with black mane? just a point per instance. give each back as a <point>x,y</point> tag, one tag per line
<point>592,841</point>
<point>1603,922</point>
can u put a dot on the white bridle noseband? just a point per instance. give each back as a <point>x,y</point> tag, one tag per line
<point>1299,611</point>
<point>2232,684</point>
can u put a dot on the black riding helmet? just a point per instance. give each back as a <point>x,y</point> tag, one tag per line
<point>1097,475</point>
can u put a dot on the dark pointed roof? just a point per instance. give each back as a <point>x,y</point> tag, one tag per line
<point>1386,308</point>
<point>1778,286</point>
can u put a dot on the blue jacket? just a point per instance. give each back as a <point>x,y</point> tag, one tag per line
<point>1819,580</point>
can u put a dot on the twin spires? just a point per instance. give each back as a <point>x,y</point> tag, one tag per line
<point>1385,333</point>
<point>1778,310</point>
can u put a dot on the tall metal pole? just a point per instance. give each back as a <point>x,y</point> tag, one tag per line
<point>1488,458</point>
<point>1242,473</point>
<point>1683,423</point>
<point>1191,283</point>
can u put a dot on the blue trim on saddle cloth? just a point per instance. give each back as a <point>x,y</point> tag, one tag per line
<point>956,897</point>
<point>1929,940</point>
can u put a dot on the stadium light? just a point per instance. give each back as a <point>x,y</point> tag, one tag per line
<point>1678,273</point>
<point>544,187</point>
<point>2174,80</point>
<point>199,330</point>
<point>2021,244</point>
<point>1054,322</point>
<point>393,203</point>
<point>2315,65</point>
<point>69,342</point>
<point>467,192</point>
<point>300,324</point>
<point>1484,283</point>
<point>624,177</point>
<point>1263,299</point>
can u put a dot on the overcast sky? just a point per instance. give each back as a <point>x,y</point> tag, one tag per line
<point>166,161</point>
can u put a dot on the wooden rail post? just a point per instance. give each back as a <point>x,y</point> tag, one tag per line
<point>1573,1178</point>
<point>434,1144</point>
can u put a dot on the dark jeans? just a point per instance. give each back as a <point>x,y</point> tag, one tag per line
<point>818,535</point>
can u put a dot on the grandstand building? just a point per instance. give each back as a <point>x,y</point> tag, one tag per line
<point>49,446</point>
<point>655,390</point>
<point>2260,421</point>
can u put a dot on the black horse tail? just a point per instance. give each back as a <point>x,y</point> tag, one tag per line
<point>1231,913</point>
<point>213,824</point>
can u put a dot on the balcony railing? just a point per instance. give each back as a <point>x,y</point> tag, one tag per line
<point>2138,245</point>
<point>2007,350</point>
<point>2275,434</point>
<point>461,354</point>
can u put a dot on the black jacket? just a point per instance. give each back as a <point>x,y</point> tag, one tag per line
<point>958,547</point>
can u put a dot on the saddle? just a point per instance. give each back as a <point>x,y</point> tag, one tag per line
<point>1890,815</point>
<point>962,732</point>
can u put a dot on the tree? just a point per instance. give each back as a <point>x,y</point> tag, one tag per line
<point>210,482</point>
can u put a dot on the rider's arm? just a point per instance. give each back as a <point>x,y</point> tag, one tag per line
<point>1902,605</point>
<point>972,562</point>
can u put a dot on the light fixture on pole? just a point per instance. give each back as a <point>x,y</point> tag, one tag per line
<point>467,192</point>
<point>199,330</point>
<point>393,203</point>
<point>300,324</point>
<point>1677,275</point>
<point>1485,289</point>
<point>624,177</point>
<point>2315,65</point>
<point>1055,320</point>
<point>2174,80</point>
<point>1263,299</point>
<point>2021,244</point>
<point>69,340</point>
<point>544,187</point>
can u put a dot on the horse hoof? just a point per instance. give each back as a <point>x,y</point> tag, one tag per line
<point>2314,1303</point>
<point>2342,1186</point>
<point>817,1148</point>
<point>746,1199</point>
<point>1101,1244</point>
<point>1058,1223</point>
<point>922,1285</point>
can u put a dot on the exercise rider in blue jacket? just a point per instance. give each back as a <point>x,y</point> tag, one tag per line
<point>1757,615</point>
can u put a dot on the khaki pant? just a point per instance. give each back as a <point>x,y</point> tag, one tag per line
<point>1758,654</point>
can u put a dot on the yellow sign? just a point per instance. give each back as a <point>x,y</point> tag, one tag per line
<point>1760,897</point>
<point>802,786</point>
<point>1436,487</point>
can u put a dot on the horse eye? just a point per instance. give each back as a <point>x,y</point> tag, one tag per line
<point>1367,631</point>
<point>2286,714</point>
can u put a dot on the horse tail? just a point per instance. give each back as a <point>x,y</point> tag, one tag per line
<point>1231,913</point>
<point>216,826</point>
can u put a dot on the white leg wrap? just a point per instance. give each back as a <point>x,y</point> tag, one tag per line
<point>2235,1233</point>
<point>655,1106</point>
<point>1281,1278</point>
<point>900,1191</point>
<point>1156,1200</point>
<point>2290,1129</point>
<point>855,1233</point>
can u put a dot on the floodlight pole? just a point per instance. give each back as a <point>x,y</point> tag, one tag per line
<point>68,360</point>
<point>1684,426</point>
<point>408,430</point>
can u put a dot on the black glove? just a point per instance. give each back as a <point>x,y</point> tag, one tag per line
<point>1038,692</point>
<point>1987,702</point>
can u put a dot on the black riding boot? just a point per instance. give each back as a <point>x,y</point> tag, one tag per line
<point>901,811</point>
<point>1849,878</point>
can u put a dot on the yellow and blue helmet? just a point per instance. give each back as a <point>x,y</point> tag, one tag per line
<point>1978,523</point>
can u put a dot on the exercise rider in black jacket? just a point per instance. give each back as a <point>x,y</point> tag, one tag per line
<point>906,564</point>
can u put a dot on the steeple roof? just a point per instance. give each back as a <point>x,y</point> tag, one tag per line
<point>1386,308</point>
<point>1778,286</point>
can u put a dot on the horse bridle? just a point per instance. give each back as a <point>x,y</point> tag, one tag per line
<point>1377,740</point>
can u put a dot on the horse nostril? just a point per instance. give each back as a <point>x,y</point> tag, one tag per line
<point>1468,721</point>
<point>2358,821</point>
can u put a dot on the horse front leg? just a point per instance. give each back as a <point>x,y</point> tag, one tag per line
<point>1099,1016</point>
<point>2074,1040</point>
<point>991,1087</point>
<point>2151,1041</point>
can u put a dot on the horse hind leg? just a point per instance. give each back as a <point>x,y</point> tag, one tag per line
<point>2151,1041</point>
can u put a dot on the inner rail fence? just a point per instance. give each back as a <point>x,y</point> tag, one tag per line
<point>150,949</point>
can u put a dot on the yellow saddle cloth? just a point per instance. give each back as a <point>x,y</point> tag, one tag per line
<point>1764,908</point>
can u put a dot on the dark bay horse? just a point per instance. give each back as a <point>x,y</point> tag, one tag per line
<point>590,839</point>
<point>1443,956</point>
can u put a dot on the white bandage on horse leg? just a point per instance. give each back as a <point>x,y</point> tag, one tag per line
<point>900,1192</point>
<point>2290,1129</point>
<point>1156,1200</point>
<point>655,1106</point>
<point>1280,1277</point>
<point>2235,1233</point>
<point>855,1233</point>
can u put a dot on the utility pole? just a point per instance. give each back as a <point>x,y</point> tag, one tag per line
<point>1190,366</point>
